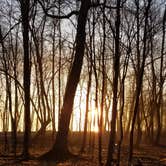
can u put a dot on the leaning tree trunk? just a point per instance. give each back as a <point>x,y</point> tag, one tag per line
<point>60,150</point>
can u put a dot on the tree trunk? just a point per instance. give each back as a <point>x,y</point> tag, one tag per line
<point>60,150</point>
<point>139,76</point>
<point>115,86</point>
<point>27,122</point>
<point>59,73</point>
<point>122,104</point>
<point>87,108</point>
<point>160,94</point>
<point>53,81</point>
<point>103,88</point>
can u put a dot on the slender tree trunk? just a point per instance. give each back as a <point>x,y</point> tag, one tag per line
<point>87,108</point>
<point>139,80</point>
<point>53,82</point>
<point>122,103</point>
<point>115,86</point>
<point>6,64</point>
<point>44,98</point>
<point>59,73</point>
<point>16,99</point>
<point>152,104</point>
<point>139,131</point>
<point>16,113</point>
<point>103,88</point>
<point>160,94</point>
<point>121,124</point>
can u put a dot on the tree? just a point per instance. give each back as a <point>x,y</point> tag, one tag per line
<point>60,147</point>
<point>25,8</point>
<point>40,81</point>
<point>140,71</point>
<point>103,86</point>
<point>87,102</point>
<point>161,83</point>
<point>116,61</point>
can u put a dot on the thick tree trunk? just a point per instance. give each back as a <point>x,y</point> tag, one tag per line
<point>27,124</point>
<point>60,148</point>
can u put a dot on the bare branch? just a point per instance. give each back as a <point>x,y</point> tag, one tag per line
<point>3,37</point>
<point>74,12</point>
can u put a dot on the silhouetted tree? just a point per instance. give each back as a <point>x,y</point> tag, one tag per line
<point>25,8</point>
<point>116,61</point>
<point>140,67</point>
<point>60,147</point>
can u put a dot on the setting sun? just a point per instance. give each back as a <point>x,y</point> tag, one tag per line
<point>82,82</point>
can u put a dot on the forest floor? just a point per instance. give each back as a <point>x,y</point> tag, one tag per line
<point>147,155</point>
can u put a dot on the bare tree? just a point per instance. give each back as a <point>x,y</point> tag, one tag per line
<point>25,8</point>
<point>116,61</point>
<point>60,147</point>
<point>161,83</point>
<point>140,71</point>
